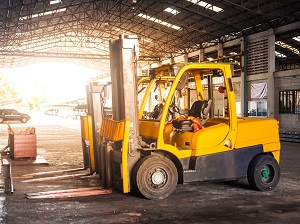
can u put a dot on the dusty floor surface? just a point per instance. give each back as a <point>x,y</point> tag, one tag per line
<point>59,142</point>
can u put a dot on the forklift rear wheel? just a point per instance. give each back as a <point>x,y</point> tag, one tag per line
<point>263,173</point>
<point>155,177</point>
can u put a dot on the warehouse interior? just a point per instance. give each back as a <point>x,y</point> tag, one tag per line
<point>259,39</point>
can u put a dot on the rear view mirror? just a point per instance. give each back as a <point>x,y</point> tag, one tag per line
<point>182,81</point>
<point>221,89</point>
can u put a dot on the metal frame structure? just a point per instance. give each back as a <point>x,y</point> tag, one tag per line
<point>81,29</point>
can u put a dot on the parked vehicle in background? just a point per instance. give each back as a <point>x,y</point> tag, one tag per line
<point>52,112</point>
<point>13,115</point>
<point>77,115</point>
<point>64,113</point>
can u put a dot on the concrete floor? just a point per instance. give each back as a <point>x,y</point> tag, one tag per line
<point>59,143</point>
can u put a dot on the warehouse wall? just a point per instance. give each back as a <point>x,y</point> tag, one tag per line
<point>287,80</point>
<point>259,62</point>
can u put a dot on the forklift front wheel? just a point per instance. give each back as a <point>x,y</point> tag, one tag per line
<point>155,177</point>
<point>23,120</point>
<point>263,173</point>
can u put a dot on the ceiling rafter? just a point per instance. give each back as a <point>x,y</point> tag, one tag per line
<point>86,26</point>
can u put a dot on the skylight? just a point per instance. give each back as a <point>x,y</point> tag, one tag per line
<point>297,38</point>
<point>147,39</point>
<point>52,2</point>
<point>206,5</point>
<point>279,55</point>
<point>43,14</point>
<point>287,46</point>
<point>153,19</point>
<point>172,11</point>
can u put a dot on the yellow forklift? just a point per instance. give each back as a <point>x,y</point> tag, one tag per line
<point>98,93</point>
<point>99,106</point>
<point>181,139</point>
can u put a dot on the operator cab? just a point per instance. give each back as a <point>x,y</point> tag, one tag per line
<point>197,111</point>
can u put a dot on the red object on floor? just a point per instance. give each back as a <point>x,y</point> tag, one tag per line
<point>23,146</point>
<point>70,193</point>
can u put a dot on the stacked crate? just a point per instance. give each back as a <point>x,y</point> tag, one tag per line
<point>23,144</point>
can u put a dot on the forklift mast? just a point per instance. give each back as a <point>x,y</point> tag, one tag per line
<point>123,68</point>
<point>91,124</point>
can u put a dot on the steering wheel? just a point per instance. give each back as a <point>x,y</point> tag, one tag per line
<point>173,109</point>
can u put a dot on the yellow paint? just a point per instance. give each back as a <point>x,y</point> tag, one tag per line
<point>149,128</point>
<point>117,131</point>
<point>113,130</point>
<point>203,142</point>
<point>276,155</point>
<point>91,140</point>
<point>167,132</point>
<point>84,127</point>
<point>144,79</point>
<point>87,134</point>
<point>125,173</point>
<point>252,131</point>
<point>200,93</point>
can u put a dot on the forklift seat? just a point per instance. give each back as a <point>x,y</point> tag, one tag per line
<point>195,110</point>
<point>200,108</point>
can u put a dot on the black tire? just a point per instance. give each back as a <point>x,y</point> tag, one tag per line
<point>155,177</point>
<point>23,120</point>
<point>263,173</point>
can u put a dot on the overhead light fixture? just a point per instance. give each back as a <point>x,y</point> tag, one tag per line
<point>153,19</point>
<point>206,5</point>
<point>52,2</point>
<point>297,38</point>
<point>42,14</point>
<point>146,40</point>
<point>287,46</point>
<point>279,55</point>
<point>172,11</point>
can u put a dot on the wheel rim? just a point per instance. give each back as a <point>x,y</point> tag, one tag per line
<point>155,177</point>
<point>158,178</point>
<point>267,174</point>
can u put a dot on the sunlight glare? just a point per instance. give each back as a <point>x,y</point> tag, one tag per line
<point>51,81</point>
